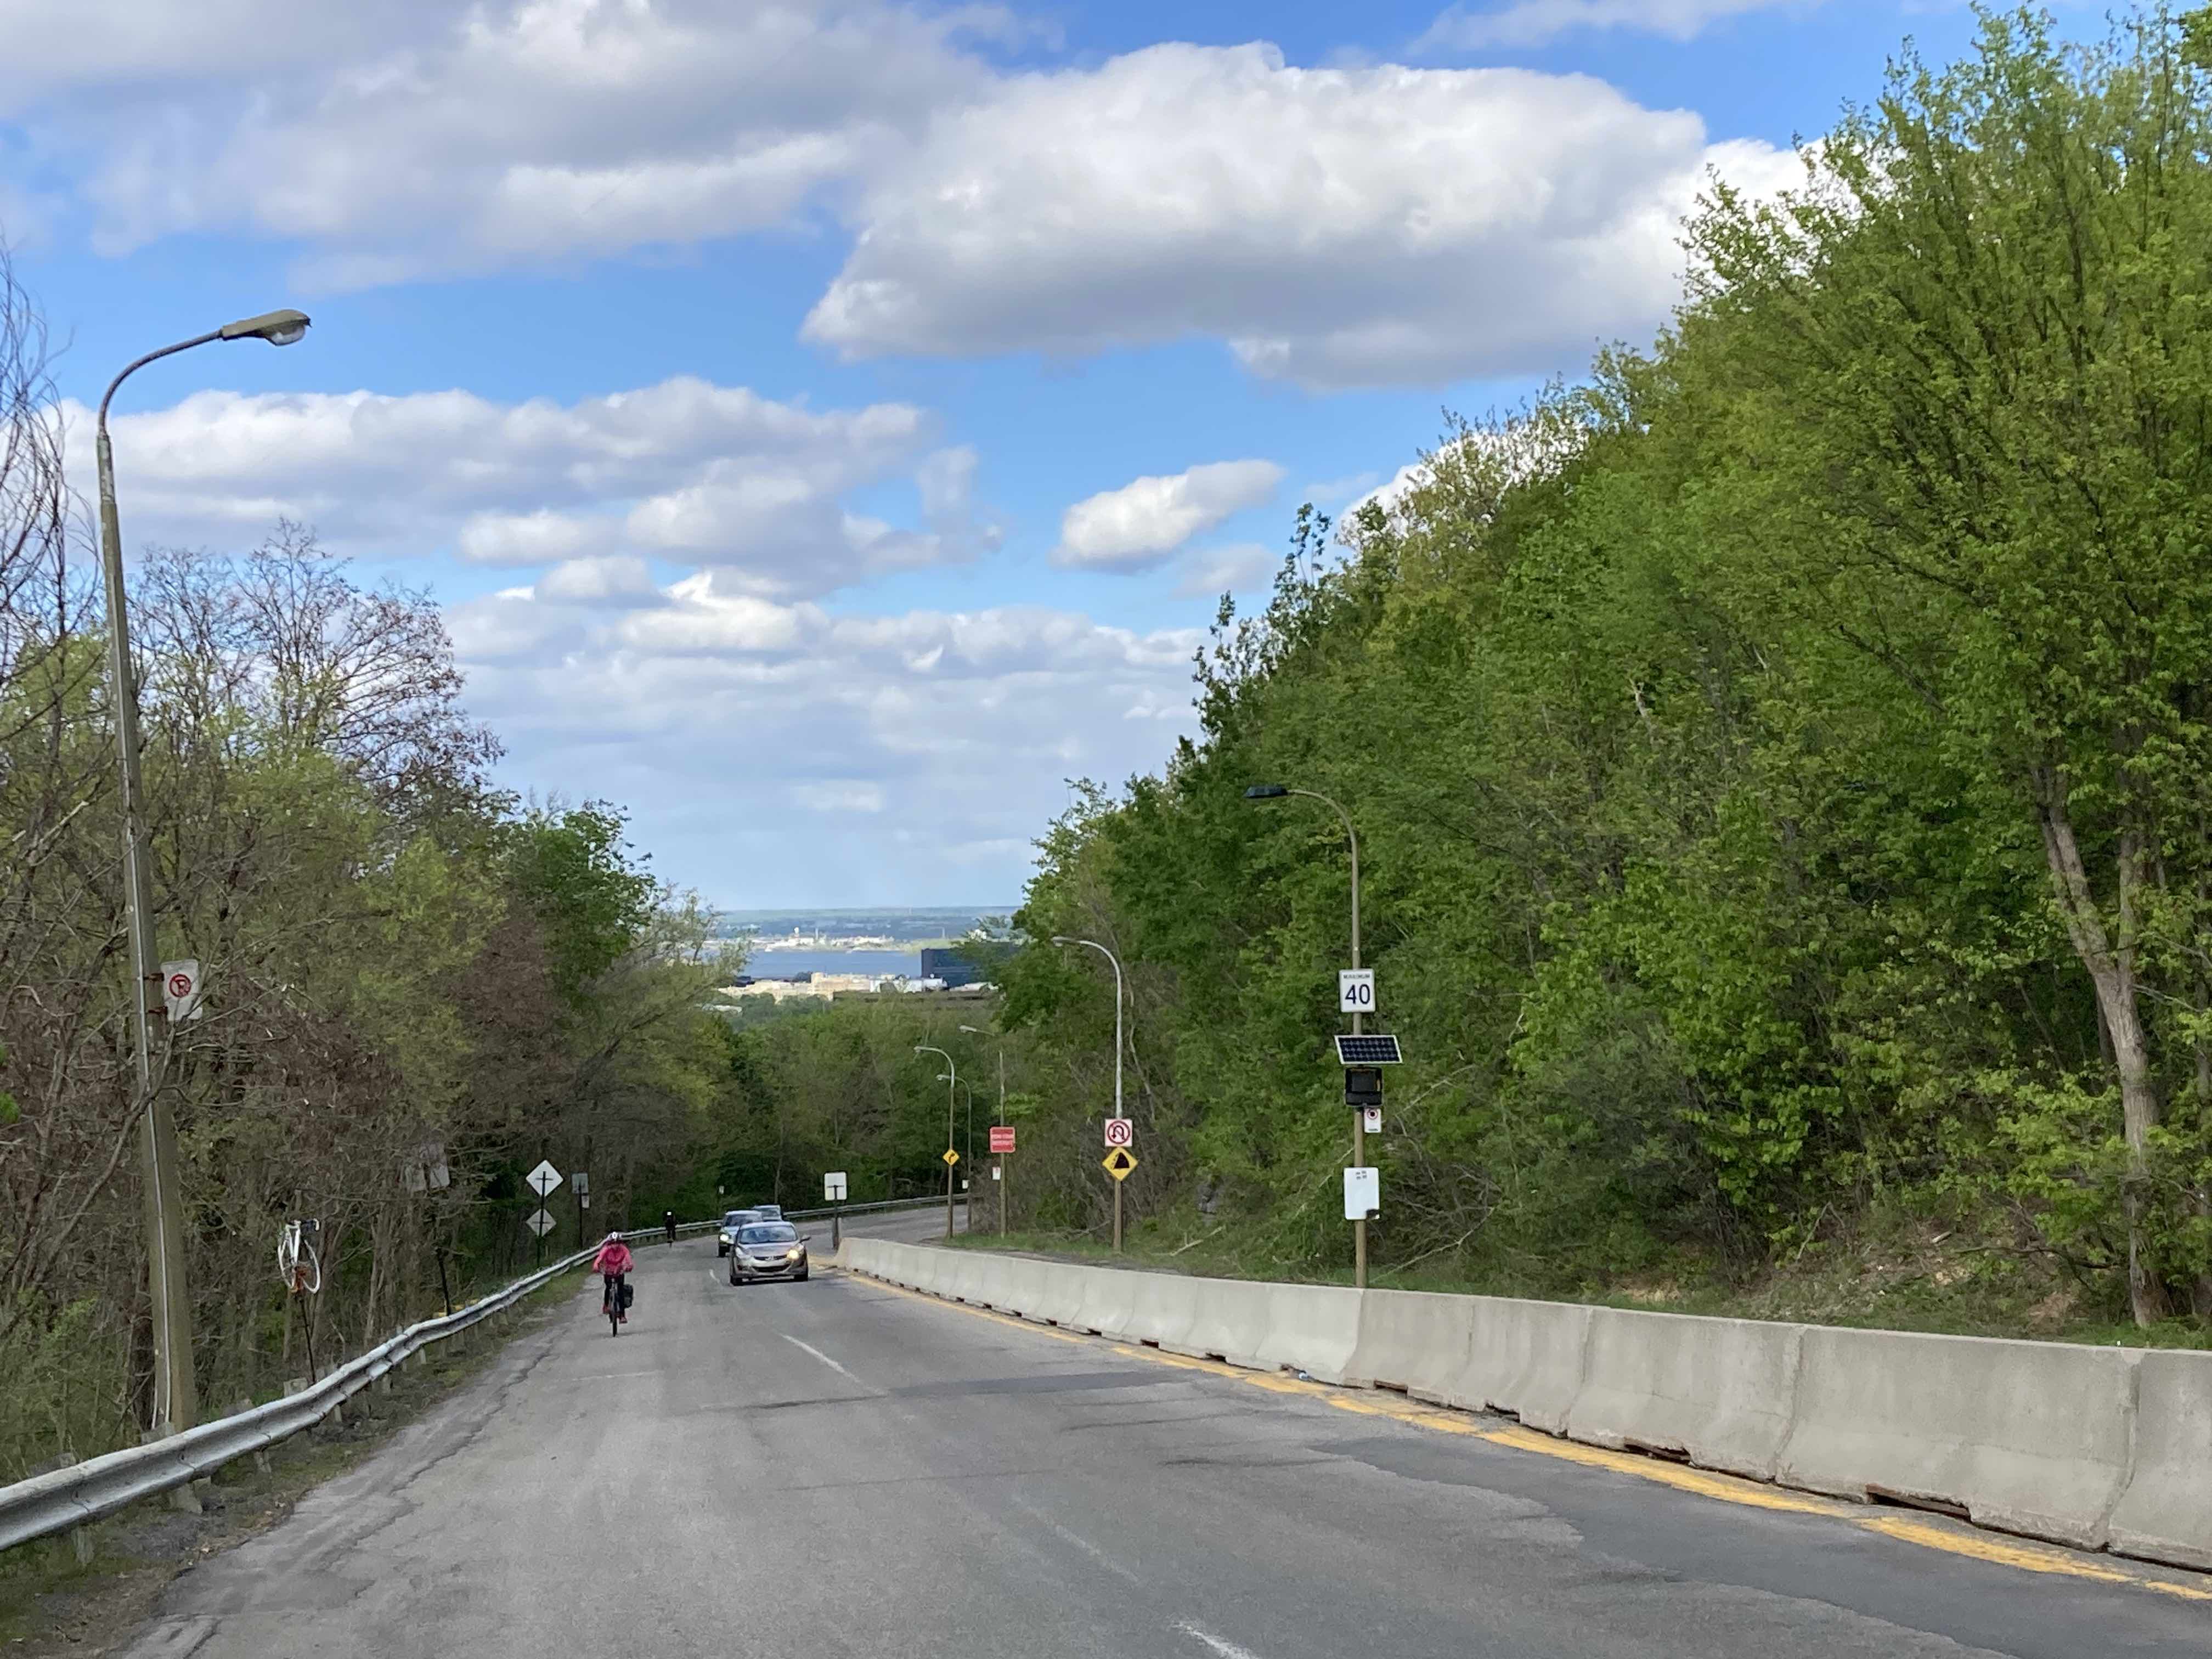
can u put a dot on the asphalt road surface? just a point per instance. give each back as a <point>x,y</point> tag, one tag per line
<point>840,1469</point>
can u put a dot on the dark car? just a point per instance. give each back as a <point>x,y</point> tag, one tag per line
<point>733,1222</point>
<point>767,1249</point>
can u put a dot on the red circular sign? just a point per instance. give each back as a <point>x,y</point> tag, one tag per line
<point>181,985</point>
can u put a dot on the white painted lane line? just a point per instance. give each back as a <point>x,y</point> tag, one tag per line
<point>1080,1542</point>
<point>1225,1649</point>
<point>821,1356</point>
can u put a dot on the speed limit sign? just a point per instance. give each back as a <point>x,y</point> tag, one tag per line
<point>1355,990</point>
<point>1120,1132</point>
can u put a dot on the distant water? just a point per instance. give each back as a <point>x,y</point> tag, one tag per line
<point>784,964</point>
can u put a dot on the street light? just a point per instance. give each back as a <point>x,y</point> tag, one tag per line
<point>174,1395</point>
<point>951,1074</point>
<point>1277,791</point>
<point>1059,939</point>
<point>976,1030</point>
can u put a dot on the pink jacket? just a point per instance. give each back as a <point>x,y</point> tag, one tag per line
<point>612,1259</point>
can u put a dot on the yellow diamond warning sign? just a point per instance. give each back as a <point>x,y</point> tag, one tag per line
<point>951,1157</point>
<point>1119,1162</point>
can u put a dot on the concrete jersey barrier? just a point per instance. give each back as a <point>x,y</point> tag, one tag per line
<point>2033,1437</point>
<point>1719,1392</point>
<point>2089,1447</point>
<point>2165,1513</point>
<point>1525,1357</point>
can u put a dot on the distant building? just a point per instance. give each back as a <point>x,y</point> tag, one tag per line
<point>819,985</point>
<point>971,963</point>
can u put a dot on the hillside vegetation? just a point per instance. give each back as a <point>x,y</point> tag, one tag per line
<point>394,955</point>
<point>1781,763</point>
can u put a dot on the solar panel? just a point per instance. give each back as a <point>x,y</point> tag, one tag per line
<point>1367,1051</point>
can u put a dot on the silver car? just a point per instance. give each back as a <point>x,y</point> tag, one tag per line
<point>767,1249</point>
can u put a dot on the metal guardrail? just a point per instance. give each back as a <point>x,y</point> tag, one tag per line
<point>84,1492</point>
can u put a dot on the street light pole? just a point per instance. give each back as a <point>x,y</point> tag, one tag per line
<point>1276,792</point>
<point>952,1076</point>
<point>1058,938</point>
<point>175,1395</point>
<point>1004,1175</point>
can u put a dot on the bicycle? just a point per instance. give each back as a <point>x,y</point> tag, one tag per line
<point>611,1303</point>
<point>302,1271</point>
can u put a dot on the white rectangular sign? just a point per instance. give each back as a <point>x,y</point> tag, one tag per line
<point>1355,990</point>
<point>1120,1132</point>
<point>833,1186</point>
<point>423,1169</point>
<point>180,989</point>
<point>1363,1194</point>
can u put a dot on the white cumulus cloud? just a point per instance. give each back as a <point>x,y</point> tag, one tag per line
<point>922,747</point>
<point>1333,227</point>
<point>1336,227</point>
<point>408,136</point>
<point>685,471</point>
<point>1143,522</point>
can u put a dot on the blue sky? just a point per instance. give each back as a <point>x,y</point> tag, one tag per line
<point>827,422</point>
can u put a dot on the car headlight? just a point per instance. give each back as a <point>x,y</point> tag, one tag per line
<point>792,1255</point>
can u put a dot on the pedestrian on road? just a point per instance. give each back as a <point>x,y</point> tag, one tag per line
<point>613,1264</point>
<point>668,1224</point>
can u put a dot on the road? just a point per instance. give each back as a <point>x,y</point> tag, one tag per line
<point>842,1469</point>
<point>918,1226</point>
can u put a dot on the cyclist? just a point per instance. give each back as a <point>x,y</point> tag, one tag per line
<point>668,1224</point>
<point>612,1264</point>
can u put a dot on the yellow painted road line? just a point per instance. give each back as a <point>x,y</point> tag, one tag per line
<point>1928,1533</point>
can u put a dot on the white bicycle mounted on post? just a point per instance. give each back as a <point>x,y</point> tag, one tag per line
<point>301,1270</point>
<point>297,1264</point>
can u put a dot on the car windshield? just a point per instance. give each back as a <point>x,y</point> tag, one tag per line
<point>778,1232</point>
<point>735,1218</point>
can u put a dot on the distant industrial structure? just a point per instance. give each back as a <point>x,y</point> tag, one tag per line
<point>971,962</point>
<point>825,986</point>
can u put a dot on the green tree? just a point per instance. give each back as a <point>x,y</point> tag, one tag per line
<point>1968,370</point>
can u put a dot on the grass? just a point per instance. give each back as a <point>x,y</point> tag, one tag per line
<point>51,1606</point>
<point>1904,1275</point>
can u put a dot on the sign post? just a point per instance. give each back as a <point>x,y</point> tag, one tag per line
<point>1121,1135</point>
<point>424,1171</point>
<point>1363,1058</point>
<point>581,1184</point>
<point>545,1181</point>
<point>1002,1142</point>
<point>1355,995</point>
<point>833,1191</point>
<point>1118,1163</point>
